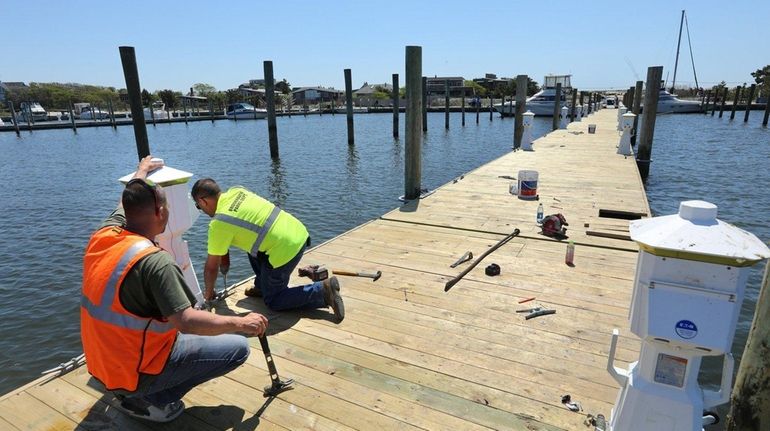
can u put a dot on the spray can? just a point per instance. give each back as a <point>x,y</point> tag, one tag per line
<point>539,213</point>
<point>570,256</point>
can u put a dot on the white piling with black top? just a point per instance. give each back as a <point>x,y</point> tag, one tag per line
<point>349,103</point>
<point>414,115</point>
<point>272,129</point>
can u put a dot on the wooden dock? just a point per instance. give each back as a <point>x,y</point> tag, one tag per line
<point>411,356</point>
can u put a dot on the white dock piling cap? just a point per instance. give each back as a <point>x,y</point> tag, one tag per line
<point>695,233</point>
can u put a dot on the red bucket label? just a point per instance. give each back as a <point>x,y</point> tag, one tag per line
<point>528,188</point>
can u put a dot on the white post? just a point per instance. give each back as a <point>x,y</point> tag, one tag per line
<point>526,138</point>
<point>564,117</point>
<point>624,147</point>
<point>621,112</point>
<point>182,215</point>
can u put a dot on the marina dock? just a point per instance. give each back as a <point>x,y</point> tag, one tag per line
<point>410,355</point>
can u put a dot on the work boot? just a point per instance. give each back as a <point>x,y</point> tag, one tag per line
<point>332,297</point>
<point>253,292</point>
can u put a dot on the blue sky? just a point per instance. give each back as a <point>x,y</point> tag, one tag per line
<point>604,44</point>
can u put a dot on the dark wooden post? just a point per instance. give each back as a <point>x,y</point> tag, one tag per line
<point>635,109</point>
<point>462,104</point>
<point>446,104</point>
<point>749,406</point>
<point>491,108</point>
<point>767,108</point>
<point>708,100</point>
<point>477,99</point>
<point>413,145</point>
<point>184,110</point>
<point>128,59</point>
<point>424,99</point>
<point>556,107</point>
<point>748,101</point>
<point>722,105</point>
<point>13,119</point>
<point>349,103</point>
<point>395,105</point>
<point>644,152</point>
<point>735,101</point>
<point>714,102</point>
<point>72,119</point>
<point>580,102</point>
<point>211,110</point>
<point>521,108</point>
<point>572,109</point>
<point>112,114</point>
<point>272,130</point>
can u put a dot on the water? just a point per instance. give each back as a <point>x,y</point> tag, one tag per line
<point>60,186</point>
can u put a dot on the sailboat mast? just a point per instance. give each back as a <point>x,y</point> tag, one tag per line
<point>692,60</point>
<point>678,44</point>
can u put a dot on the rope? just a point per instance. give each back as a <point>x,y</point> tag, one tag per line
<point>66,367</point>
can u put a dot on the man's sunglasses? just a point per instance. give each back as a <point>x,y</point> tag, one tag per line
<point>148,185</point>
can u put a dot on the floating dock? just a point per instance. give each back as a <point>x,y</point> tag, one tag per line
<point>409,355</point>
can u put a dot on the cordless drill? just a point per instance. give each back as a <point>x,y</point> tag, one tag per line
<point>314,272</point>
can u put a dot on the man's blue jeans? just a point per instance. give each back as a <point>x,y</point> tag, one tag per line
<point>194,359</point>
<point>274,284</point>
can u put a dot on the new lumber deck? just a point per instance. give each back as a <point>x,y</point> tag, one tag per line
<point>411,356</point>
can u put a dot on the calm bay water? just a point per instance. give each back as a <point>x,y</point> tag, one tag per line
<point>61,185</point>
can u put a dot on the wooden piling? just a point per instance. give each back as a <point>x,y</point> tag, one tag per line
<point>72,119</point>
<point>446,104</point>
<point>735,101</point>
<point>767,109</point>
<point>395,105</point>
<point>349,103</point>
<point>708,100</point>
<point>722,105</point>
<point>644,151</point>
<point>462,107</point>
<point>582,95</point>
<point>572,109</point>
<point>184,111</point>
<point>749,407</point>
<point>112,114</point>
<point>521,108</point>
<point>211,110</point>
<point>414,115</point>
<point>478,107</point>
<point>128,59</point>
<point>714,102</point>
<point>635,109</point>
<point>272,130</point>
<point>424,99</point>
<point>748,102</point>
<point>556,107</point>
<point>13,119</point>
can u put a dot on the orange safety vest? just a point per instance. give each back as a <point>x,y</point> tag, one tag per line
<point>117,343</point>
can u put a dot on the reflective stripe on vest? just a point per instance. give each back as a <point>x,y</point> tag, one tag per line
<point>261,231</point>
<point>103,311</point>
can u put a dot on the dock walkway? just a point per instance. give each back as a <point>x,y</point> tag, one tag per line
<point>411,356</point>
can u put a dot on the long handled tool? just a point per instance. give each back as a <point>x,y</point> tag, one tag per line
<point>454,281</point>
<point>373,275</point>
<point>224,266</point>
<point>277,385</point>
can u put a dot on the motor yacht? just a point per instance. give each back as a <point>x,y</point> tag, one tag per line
<point>244,111</point>
<point>32,110</point>
<point>542,102</point>
<point>158,111</point>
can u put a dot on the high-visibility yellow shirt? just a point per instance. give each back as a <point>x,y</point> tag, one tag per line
<point>239,217</point>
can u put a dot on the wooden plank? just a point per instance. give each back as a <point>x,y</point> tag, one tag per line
<point>28,413</point>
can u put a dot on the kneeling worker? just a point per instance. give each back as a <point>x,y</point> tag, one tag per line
<point>274,241</point>
<point>141,335</point>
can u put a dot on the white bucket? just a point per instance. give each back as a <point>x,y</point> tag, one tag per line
<point>527,184</point>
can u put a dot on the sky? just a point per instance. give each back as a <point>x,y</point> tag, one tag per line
<point>603,44</point>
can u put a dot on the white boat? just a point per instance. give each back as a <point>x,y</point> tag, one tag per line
<point>670,104</point>
<point>158,112</point>
<point>34,110</point>
<point>244,111</point>
<point>356,109</point>
<point>93,113</point>
<point>541,103</point>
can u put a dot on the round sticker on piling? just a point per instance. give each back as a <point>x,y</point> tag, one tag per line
<point>686,329</point>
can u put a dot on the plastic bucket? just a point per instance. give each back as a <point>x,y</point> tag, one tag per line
<point>527,182</point>
<point>591,128</point>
